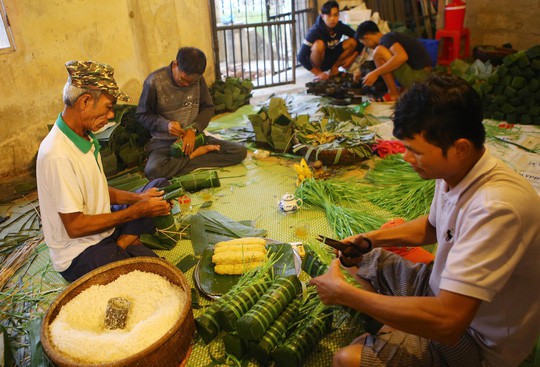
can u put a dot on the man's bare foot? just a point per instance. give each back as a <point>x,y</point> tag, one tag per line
<point>322,76</point>
<point>203,150</point>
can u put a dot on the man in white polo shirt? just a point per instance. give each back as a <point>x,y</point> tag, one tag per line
<point>75,201</point>
<point>479,305</point>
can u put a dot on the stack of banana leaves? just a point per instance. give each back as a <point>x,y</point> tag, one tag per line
<point>273,125</point>
<point>124,147</point>
<point>512,92</point>
<point>330,134</point>
<point>266,317</point>
<point>230,94</point>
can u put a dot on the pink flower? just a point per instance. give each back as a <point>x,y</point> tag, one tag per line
<point>386,147</point>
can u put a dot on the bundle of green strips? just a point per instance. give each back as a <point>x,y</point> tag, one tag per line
<point>391,189</point>
<point>346,210</point>
<point>230,94</point>
<point>395,186</point>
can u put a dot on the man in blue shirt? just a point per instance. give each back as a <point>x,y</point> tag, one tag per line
<point>322,50</point>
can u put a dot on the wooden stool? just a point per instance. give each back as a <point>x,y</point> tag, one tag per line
<point>455,44</point>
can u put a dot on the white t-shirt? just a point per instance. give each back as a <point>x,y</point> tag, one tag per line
<point>70,179</point>
<point>488,233</point>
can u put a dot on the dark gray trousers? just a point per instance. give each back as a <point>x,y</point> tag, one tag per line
<point>161,164</point>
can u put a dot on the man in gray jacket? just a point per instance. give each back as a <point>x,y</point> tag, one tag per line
<point>176,107</point>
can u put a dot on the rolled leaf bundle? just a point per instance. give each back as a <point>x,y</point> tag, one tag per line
<point>253,324</point>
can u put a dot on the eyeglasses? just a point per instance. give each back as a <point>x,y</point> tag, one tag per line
<point>188,82</point>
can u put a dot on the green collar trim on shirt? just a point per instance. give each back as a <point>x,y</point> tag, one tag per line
<point>80,142</point>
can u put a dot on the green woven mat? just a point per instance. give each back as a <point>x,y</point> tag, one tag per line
<point>249,191</point>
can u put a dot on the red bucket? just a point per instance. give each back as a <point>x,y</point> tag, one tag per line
<point>454,15</point>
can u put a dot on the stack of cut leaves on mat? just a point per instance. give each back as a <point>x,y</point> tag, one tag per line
<point>332,140</point>
<point>221,228</point>
<point>265,317</point>
<point>230,94</point>
<point>273,125</point>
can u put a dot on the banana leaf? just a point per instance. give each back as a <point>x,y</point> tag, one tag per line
<point>208,281</point>
<point>199,240</point>
<point>282,136</point>
<point>187,263</point>
<point>287,263</point>
<point>213,284</point>
<point>37,355</point>
<point>220,224</point>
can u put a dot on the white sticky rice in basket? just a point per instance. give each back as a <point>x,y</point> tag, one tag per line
<point>79,330</point>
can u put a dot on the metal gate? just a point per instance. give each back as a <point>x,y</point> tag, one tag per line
<point>259,39</point>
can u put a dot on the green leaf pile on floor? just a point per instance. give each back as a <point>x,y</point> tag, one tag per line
<point>512,92</point>
<point>230,94</point>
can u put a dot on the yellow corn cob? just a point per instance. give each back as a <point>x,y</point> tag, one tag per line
<point>238,257</point>
<point>236,269</point>
<point>239,248</point>
<point>243,241</point>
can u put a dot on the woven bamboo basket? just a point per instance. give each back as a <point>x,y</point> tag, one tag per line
<point>172,349</point>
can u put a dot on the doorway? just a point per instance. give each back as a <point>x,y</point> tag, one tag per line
<point>259,39</point>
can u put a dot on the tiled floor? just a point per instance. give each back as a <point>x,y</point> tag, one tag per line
<point>302,77</point>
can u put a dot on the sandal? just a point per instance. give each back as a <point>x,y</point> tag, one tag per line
<point>384,98</point>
